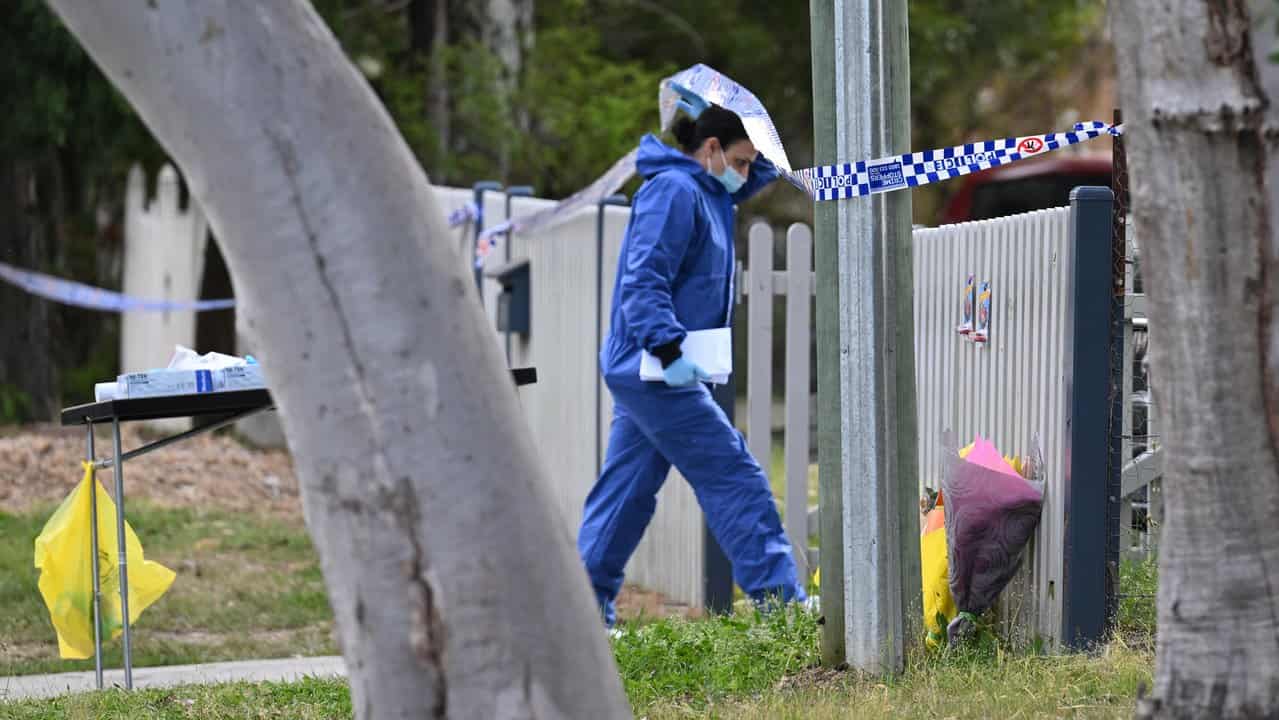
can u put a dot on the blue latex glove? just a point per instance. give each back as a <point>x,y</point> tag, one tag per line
<point>683,372</point>
<point>690,101</point>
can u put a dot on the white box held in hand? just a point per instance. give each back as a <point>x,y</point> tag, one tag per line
<point>711,350</point>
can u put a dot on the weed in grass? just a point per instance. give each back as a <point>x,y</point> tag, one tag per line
<point>1138,588</point>
<point>695,660</point>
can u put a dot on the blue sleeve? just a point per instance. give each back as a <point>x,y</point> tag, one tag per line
<point>763,172</point>
<point>661,229</point>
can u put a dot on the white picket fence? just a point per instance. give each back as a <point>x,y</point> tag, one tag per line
<point>163,259</point>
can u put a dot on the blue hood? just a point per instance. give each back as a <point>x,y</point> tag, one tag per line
<point>656,157</point>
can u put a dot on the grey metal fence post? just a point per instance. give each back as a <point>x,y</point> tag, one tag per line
<point>717,571</point>
<point>512,192</point>
<point>122,552</point>
<point>1088,378</point>
<point>480,188</point>
<point>97,577</point>
<point>620,200</point>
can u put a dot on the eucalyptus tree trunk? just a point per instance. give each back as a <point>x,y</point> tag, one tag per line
<point>456,592</point>
<point>1200,137</point>
<point>429,36</point>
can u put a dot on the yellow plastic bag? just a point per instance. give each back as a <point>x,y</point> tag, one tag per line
<point>939,605</point>
<point>64,556</point>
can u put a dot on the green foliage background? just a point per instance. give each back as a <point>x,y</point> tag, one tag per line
<point>584,93</point>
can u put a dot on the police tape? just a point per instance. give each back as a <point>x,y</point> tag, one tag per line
<point>468,213</point>
<point>824,183</point>
<point>93,298</point>
<point>77,294</point>
<point>869,177</point>
<point>591,195</point>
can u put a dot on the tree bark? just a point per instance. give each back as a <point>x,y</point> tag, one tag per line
<point>1200,143</point>
<point>456,590</point>
<point>429,37</point>
<point>506,29</point>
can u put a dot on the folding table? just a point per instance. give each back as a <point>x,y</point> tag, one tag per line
<point>221,408</point>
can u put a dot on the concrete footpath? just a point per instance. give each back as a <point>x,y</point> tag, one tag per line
<point>45,686</point>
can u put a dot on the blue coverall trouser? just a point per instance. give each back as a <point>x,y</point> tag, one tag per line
<point>654,427</point>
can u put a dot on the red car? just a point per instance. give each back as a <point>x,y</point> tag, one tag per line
<point>1035,184</point>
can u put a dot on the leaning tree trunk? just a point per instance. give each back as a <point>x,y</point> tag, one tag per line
<point>456,591</point>
<point>1198,136</point>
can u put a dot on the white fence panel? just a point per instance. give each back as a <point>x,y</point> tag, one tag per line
<point>1008,391</point>
<point>1013,388</point>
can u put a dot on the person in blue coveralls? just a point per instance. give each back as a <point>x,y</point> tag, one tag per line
<point>674,276</point>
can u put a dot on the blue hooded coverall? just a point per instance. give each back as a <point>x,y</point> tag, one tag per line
<point>674,275</point>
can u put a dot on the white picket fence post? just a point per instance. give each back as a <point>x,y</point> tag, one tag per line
<point>759,337</point>
<point>800,288</point>
<point>761,284</point>
<point>163,259</point>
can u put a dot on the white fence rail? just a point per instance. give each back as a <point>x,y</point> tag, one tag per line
<point>1141,507</point>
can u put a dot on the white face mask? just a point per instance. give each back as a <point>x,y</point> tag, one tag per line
<point>729,178</point>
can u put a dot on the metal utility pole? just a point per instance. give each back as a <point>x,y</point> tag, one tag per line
<point>866,423</point>
<point>829,465</point>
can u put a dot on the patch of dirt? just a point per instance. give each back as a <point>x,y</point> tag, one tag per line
<point>23,652</point>
<point>40,465</point>
<point>256,637</point>
<point>635,602</point>
<point>815,678</point>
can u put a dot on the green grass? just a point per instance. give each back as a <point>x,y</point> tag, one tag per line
<point>312,699</point>
<point>1138,585</point>
<point>960,685</point>
<point>733,667</point>
<point>696,660</point>
<point>251,588</point>
<point>246,588</point>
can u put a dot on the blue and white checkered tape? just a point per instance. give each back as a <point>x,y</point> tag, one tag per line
<point>830,182</point>
<point>868,177</point>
